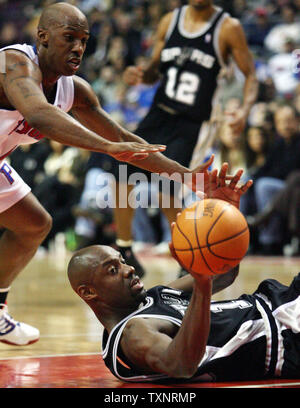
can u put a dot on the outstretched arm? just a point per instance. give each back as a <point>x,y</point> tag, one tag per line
<point>21,83</point>
<point>149,345</point>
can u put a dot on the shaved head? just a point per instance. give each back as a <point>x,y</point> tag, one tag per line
<point>101,277</point>
<point>83,266</point>
<point>62,14</point>
<point>62,35</point>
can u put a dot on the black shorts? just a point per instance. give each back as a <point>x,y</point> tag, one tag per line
<point>178,133</point>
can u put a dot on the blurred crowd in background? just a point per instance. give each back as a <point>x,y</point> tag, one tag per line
<point>122,34</point>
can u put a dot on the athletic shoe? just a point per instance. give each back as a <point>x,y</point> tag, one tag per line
<point>16,333</point>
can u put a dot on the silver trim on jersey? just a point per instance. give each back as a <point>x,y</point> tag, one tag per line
<point>200,32</point>
<point>172,24</point>
<point>216,40</point>
<point>268,332</point>
<point>149,302</point>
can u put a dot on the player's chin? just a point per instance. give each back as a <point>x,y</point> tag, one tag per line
<point>139,295</point>
<point>70,69</point>
<point>199,4</point>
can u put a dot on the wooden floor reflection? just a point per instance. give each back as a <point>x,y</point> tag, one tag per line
<point>42,297</point>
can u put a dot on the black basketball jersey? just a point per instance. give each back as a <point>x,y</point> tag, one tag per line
<point>190,64</point>
<point>245,339</point>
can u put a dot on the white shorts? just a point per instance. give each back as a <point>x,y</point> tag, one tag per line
<point>12,187</point>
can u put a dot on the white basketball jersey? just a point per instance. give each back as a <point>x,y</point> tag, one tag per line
<point>14,130</point>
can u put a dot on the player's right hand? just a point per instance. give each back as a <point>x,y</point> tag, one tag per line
<point>133,75</point>
<point>131,151</point>
<point>171,247</point>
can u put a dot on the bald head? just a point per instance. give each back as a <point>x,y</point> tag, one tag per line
<point>83,266</point>
<point>62,35</point>
<point>100,276</point>
<point>85,263</point>
<point>62,14</point>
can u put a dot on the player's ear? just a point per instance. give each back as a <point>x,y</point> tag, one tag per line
<point>86,292</point>
<point>43,37</point>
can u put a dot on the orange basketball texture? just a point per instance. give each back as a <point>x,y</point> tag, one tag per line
<point>210,237</point>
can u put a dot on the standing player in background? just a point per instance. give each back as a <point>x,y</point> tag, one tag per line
<point>192,44</point>
<point>38,86</point>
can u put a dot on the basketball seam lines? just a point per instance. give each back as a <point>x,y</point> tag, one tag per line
<point>233,236</point>
<point>215,243</point>
<point>195,225</point>
<point>191,248</point>
<point>214,223</point>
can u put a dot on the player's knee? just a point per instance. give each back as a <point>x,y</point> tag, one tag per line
<point>46,224</point>
<point>40,225</point>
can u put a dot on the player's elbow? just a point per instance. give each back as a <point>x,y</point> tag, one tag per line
<point>185,371</point>
<point>184,367</point>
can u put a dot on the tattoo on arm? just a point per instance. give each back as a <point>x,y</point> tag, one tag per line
<point>13,66</point>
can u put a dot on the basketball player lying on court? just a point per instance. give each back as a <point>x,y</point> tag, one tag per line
<point>176,331</point>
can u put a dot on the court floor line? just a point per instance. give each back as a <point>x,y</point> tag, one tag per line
<point>268,385</point>
<point>87,335</point>
<point>49,356</point>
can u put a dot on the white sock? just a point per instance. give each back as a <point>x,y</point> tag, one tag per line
<point>122,243</point>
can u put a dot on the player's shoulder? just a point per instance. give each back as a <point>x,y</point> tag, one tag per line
<point>83,92</point>
<point>17,63</point>
<point>231,25</point>
<point>231,31</point>
<point>80,82</point>
<point>16,57</point>
<point>168,16</point>
<point>166,20</point>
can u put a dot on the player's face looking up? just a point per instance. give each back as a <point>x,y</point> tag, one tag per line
<point>116,282</point>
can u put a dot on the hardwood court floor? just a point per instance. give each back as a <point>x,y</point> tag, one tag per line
<point>68,352</point>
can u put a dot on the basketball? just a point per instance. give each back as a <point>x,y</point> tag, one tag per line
<point>210,237</point>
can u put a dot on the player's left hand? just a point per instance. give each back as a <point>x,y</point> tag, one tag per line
<point>228,191</point>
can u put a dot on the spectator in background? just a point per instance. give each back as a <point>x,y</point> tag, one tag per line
<point>229,148</point>
<point>257,145</point>
<point>286,205</point>
<point>257,29</point>
<point>93,218</point>
<point>8,34</point>
<point>283,158</point>
<point>106,86</point>
<point>289,28</point>
<point>282,69</point>
<point>29,161</point>
<point>61,186</point>
<point>261,115</point>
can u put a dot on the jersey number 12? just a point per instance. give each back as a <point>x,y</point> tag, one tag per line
<point>186,89</point>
